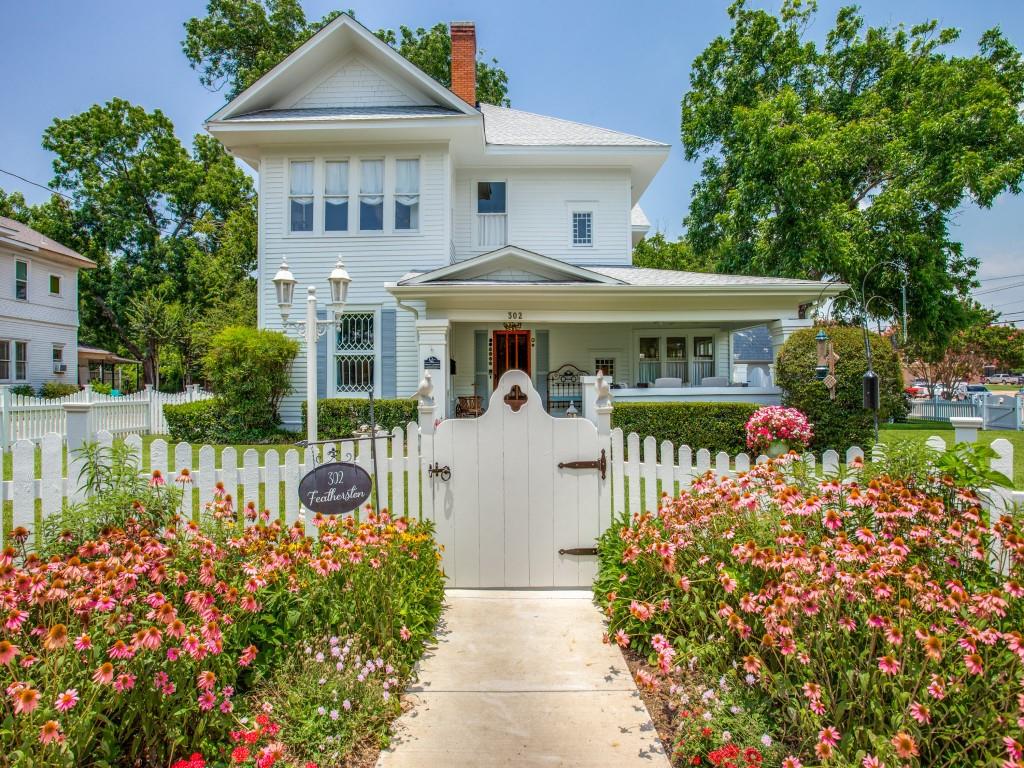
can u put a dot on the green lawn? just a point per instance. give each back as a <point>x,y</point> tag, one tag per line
<point>920,431</point>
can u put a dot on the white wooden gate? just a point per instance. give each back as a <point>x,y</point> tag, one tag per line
<point>507,509</point>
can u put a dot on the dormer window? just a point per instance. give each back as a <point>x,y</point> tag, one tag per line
<point>371,195</point>
<point>336,196</point>
<point>300,199</point>
<point>491,214</point>
<point>407,194</point>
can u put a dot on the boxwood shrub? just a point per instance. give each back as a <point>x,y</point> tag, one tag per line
<point>844,421</point>
<point>198,422</point>
<point>52,390</point>
<point>339,417</point>
<point>715,426</point>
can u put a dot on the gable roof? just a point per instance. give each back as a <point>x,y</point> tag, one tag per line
<point>509,264</point>
<point>24,238</point>
<point>514,127</point>
<point>307,64</point>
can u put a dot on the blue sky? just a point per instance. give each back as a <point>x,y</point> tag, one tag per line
<point>621,66</point>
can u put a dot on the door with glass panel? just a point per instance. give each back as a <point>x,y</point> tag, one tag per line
<point>511,352</point>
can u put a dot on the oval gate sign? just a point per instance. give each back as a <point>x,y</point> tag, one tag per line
<point>335,488</point>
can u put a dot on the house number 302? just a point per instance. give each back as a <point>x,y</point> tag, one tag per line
<point>515,315</point>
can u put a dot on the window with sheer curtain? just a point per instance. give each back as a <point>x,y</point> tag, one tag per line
<point>371,195</point>
<point>300,198</point>
<point>336,196</point>
<point>407,194</point>
<point>491,214</point>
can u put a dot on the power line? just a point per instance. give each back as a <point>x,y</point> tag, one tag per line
<point>36,184</point>
<point>1003,277</point>
<point>996,290</point>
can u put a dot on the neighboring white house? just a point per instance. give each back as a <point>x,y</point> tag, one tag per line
<point>479,238</point>
<point>38,307</point>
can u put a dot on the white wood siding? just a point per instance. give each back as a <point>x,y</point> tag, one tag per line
<point>355,83</point>
<point>43,319</point>
<point>540,201</point>
<point>372,258</point>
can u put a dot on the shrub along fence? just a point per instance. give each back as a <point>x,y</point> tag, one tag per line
<point>31,418</point>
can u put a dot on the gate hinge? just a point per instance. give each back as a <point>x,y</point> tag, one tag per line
<point>436,470</point>
<point>578,551</point>
<point>600,464</point>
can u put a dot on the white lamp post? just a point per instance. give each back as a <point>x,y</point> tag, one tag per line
<point>311,328</point>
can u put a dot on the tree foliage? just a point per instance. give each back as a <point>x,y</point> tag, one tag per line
<point>823,161</point>
<point>238,41</point>
<point>657,252</point>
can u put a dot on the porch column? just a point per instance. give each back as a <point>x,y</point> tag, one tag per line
<point>433,344</point>
<point>781,330</point>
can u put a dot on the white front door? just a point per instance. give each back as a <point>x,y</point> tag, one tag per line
<point>507,515</point>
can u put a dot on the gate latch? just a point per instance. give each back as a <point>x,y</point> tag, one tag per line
<point>600,464</point>
<point>436,470</point>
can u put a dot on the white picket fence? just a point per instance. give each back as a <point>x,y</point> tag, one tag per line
<point>640,470</point>
<point>31,418</point>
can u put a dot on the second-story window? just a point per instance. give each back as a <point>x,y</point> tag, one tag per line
<point>55,285</point>
<point>335,196</point>
<point>491,214</point>
<point>300,199</point>
<point>371,195</point>
<point>582,228</point>
<point>21,280</point>
<point>407,194</point>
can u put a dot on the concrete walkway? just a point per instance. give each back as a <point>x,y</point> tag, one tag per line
<point>522,678</point>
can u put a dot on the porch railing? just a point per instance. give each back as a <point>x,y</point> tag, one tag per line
<point>690,373</point>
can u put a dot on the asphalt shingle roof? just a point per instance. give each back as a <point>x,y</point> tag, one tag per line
<point>503,125</point>
<point>648,276</point>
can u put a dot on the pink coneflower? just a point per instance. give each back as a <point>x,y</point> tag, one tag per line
<point>888,664</point>
<point>207,700</point>
<point>404,633</point>
<point>206,680</point>
<point>8,651</point>
<point>15,619</point>
<point>119,650</point>
<point>904,744</point>
<point>248,656</point>
<point>26,700</point>
<point>157,480</point>
<point>921,713</point>
<point>50,731</point>
<point>124,682</point>
<point>621,638</point>
<point>104,674</point>
<point>792,762</point>
<point>184,476</point>
<point>829,735</point>
<point>83,643</point>
<point>870,761</point>
<point>974,663</point>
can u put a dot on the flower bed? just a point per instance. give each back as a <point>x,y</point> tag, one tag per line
<point>145,647</point>
<point>861,623</point>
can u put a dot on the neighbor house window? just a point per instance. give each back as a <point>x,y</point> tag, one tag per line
<point>582,228</point>
<point>55,285</point>
<point>355,352</point>
<point>300,199</point>
<point>606,365</point>
<point>335,196</point>
<point>20,360</point>
<point>407,194</point>
<point>371,195</point>
<point>58,358</point>
<point>491,214</point>
<point>21,280</point>
<point>5,360</point>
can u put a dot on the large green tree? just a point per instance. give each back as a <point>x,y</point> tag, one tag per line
<point>173,231</point>
<point>848,159</point>
<point>237,41</point>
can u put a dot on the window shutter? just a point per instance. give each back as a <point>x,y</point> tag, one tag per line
<point>542,367</point>
<point>480,366</point>
<point>388,353</point>
<point>323,358</point>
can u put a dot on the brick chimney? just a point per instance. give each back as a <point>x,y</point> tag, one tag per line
<point>464,60</point>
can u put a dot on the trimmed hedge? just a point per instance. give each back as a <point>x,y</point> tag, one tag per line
<point>52,390</point>
<point>198,422</point>
<point>842,422</point>
<point>715,426</point>
<point>339,417</point>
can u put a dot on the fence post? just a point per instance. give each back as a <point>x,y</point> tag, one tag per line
<point>5,416</point>
<point>148,388</point>
<point>965,428</point>
<point>78,421</point>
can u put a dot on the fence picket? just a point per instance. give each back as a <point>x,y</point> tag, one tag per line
<point>633,471</point>
<point>684,472</point>
<point>134,445</point>
<point>207,474</point>
<point>1003,461</point>
<point>229,477</point>
<point>397,472</point>
<point>51,474</point>
<point>830,463</point>
<point>666,476</point>
<point>703,461</point>
<point>291,487</point>
<point>650,474</point>
<point>158,457</point>
<point>742,463</point>
<point>854,453</point>
<point>251,481</point>
<point>383,462</point>
<point>272,484</point>
<point>722,463</point>
<point>618,474</point>
<point>182,461</point>
<point>24,497</point>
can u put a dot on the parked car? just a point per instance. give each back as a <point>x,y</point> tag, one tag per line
<point>976,391</point>
<point>917,391</point>
<point>1003,378</point>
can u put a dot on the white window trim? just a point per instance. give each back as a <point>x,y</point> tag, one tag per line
<point>13,359</point>
<point>10,358</point>
<point>332,374</point>
<point>28,279</point>
<point>476,214</point>
<point>663,333</point>
<point>581,208</point>
<point>320,201</point>
<point>393,195</point>
<point>317,182</point>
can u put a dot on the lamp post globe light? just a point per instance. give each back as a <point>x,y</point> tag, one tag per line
<point>311,328</point>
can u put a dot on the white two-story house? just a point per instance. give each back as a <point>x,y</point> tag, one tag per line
<point>479,238</point>
<point>38,307</point>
